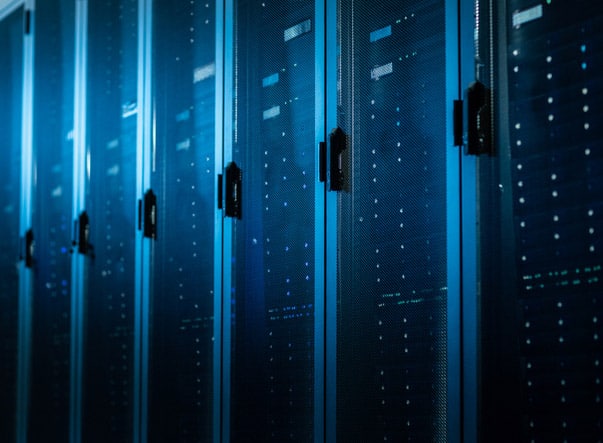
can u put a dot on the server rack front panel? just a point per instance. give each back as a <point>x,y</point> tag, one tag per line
<point>392,219</point>
<point>110,205</point>
<point>184,178</point>
<point>555,90</point>
<point>11,84</point>
<point>273,268</point>
<point>542,255</point>
<point>52,226</point>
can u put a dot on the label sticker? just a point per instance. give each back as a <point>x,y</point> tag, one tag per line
<point>381,33</point>
<point>270,80</point>
<point>527,15</point>
<point>272,112</point>
<point>297,30</point>
<point>380,71</point>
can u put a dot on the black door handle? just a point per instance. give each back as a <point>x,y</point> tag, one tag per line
<point>338,144</point>
<point>83,246</point>
<point>234,191</point>
<point>150,215</point>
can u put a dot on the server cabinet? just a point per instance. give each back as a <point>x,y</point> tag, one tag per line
<point>183,177</point>
<point>547,244</point>
<point>397,217</point>
<point>52,226</point>
<point>272,192</point>
<point>107,223</point>
<point>11,86</point>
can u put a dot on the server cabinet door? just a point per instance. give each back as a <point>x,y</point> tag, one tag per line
<point>184,179</point>
<point>52,227</point>
<point>542,238</point>
<point>11,88</point>
<point>392,250</point>
<point>273,253</point>
<point>111,212</point>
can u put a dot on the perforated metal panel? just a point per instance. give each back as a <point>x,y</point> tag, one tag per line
<point>556,138</point>
<point>112,74</point>
<point>184,178</point>
<point>52,225</point>
<point>392,292</point>
<point>273,253</point>
<point>11,87</point>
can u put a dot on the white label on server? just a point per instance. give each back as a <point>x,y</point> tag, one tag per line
<point>128,109</point>
<point>380,71</point>
<point>272,112</point>
<point>204,72</point>
<point>527,15</point>
<point>184,145</point>
<point>297,30</point>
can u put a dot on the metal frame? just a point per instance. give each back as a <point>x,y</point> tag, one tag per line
<point>330,222</point>
<point>225,223</point>
<point>453,236</point>
<point>25,275</point>
<point>80,174</point>
<point>145,144</point>
<point>219,319</point>
<point>468,207</point>
<point>321,415</point>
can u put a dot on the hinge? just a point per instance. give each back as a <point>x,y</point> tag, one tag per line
<point>458,122</point>
<point>220,191</point>
<point>322,162</point>
<point>27,22</point>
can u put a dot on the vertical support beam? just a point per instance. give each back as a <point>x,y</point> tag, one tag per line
<point>330,59</point>
<point>228,90</point>
<point>455,377</point>
<point>220,129</point>
<point>468,184</point>
<point>320,306</point>
<point>25,275</point>
<point>144,153</point>
<point>79,194</point>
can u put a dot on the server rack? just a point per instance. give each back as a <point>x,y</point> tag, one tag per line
<point>541,325</point>
<point>275,276</point>
<point>398,255</point>
<point>183,177</point>
<point>48,411</point>
<point>107,222</point>
<point>11,27</point>
<point>319,283</point>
